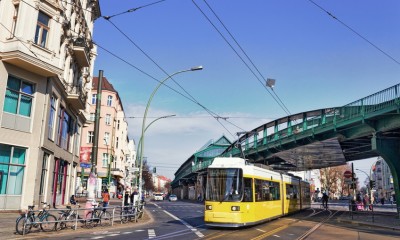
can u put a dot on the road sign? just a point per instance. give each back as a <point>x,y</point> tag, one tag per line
<point>86,165</point>
<point>347,174</point>
<point>133,169</point>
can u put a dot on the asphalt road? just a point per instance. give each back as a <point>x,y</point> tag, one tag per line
<point>184,220</point>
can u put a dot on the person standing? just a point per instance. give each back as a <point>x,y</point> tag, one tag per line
<point>106,198</point>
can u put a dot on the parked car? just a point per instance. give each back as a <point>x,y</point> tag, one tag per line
<point>172,197</point>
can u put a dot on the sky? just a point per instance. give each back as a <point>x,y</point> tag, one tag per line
<point>318,61</point>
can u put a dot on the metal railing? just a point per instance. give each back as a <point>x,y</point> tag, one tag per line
<point>117,214</point>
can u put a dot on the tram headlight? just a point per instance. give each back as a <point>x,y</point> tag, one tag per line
<point>235,208</point>
<point>208,207</point>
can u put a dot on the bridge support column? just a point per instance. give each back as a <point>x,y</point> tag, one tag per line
<point>389,150</point>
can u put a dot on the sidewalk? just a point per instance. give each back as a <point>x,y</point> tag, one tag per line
<point>8,221</point>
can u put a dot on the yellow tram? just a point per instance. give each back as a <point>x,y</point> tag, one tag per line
<point>241,194</point>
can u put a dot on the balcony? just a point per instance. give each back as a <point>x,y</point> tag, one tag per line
<point>76,96</point>
<point>117,172</point>
<point>82,52</point>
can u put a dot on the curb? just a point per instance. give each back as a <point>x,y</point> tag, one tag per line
<point>368,224</point>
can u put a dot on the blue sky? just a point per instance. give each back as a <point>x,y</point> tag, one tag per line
<point>316,60</point>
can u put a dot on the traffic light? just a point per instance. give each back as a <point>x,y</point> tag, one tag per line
<point>371,184</point>
<point>154,170</point>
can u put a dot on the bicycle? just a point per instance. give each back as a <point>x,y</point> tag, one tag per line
<point>68,218</point>
<point>43,219</point>
<point>128,213</point>
<point>98,216</point>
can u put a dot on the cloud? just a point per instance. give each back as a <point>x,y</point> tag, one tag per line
<point>171,141</point>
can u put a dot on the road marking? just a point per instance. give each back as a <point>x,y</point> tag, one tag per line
<point>126,232</point>
<point>113,235</point>
<point>198,233</point>
<point>99,237</point>
<point>260,230</point>
<point>152,233</point>
<point>276,236</point>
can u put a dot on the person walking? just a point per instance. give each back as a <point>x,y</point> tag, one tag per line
<point>325,199</point>
<point>366,202</point>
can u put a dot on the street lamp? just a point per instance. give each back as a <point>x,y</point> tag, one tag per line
<point>144,122</point>
<point>140,140</point>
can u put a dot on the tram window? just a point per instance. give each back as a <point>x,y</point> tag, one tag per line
<point>266,190</point>
<point>291,191</point>
<point>248,193</point>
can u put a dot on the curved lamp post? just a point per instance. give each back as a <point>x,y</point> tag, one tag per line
<point>369,181</point>
<point>144,123</point>
<point>140,140</point>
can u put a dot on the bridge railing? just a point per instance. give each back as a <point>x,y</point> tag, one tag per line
<point>377,103</point>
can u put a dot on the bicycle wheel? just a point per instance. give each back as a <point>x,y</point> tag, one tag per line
<point>105,218</point>
<point>123,216</point>
<point>61,224</point>
<point>90,220</point>
<point>21,221</point>
<point>48,223</point>
<point>71,221</point>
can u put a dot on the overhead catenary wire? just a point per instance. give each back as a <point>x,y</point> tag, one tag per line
<point>248,58</point>
<point>355,32</point>
<point>180,86</point>
<point>279,102</point>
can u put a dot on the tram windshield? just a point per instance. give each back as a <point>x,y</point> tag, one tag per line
<point>224,185</point>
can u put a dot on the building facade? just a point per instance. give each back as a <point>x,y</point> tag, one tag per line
<point>113,149</point>
<point>46,65</point>
<point>380,173</point>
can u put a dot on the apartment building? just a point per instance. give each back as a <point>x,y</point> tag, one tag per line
<point>113,150</point>
<point>46,67</point>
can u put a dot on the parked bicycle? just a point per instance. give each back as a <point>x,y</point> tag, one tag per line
<point>128,213</point>
<point>98,216</point>
<point>68,218</point>
<point>43,219</point>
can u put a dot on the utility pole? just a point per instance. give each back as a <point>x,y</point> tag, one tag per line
<point>92,177</point>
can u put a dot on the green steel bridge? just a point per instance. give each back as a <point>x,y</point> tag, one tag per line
<point>366,128</point>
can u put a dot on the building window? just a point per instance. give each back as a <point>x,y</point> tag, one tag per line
<point>42,29</point>
<point>108,119</point>
<point>90,137</point>
<point>105,160</point>
<point>12,167</point>
<point>92,116</point>
<point>116,142</point>
<point>64,125</point>
<point>43,176</point>
<point>107,138</point>
<point>15,18</point>
<point>94,98</point>
<point>53,108</point>
<point>19,97</point>
<point>109,101</point>
<point>118,122</point>
<point>60,177</point>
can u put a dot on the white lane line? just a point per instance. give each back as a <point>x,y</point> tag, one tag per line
<point>113,235</point>
<point>99,237</point>
<point>276,236</point>
<point>198,233</point>
<point>260,230</point>
<point>152,233</point>
<point>126,232</point>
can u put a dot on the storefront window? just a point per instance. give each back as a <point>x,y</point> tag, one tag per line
<point>12,167</point>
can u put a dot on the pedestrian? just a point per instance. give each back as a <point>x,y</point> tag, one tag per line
<point>366,201</point>
<point>325,199</point>
<point>134,193</point>
<point>72,200</point>
<point>126,199</point>
<point>382,200</point>
<point>106,198</point>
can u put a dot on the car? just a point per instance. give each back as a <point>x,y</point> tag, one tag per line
<point>172,197</point>
<point>158,197</point>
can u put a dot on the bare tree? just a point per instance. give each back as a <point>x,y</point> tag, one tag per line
<point>147,177</point>
<point>332,179</point>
